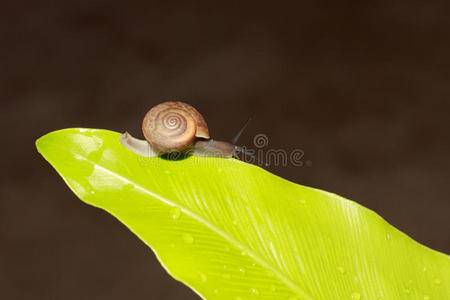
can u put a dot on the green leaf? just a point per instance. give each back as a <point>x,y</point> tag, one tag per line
<point>230,230</point>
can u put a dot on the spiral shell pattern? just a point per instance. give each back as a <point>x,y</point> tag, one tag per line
<point>172,126</point>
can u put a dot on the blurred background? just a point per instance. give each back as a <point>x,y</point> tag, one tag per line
<point>362,87</point>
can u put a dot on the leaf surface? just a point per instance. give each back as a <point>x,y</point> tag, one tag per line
<point>231,230</point>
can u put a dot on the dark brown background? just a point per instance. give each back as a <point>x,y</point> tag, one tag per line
<point>363,89</point>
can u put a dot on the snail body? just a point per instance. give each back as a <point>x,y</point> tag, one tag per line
<point>176,127</point>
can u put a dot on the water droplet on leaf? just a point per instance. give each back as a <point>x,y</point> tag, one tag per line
<point>175,212</point>
<point>254,291</point>
<point>189,239</point>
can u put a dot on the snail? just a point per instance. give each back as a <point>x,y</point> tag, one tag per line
<point>178,127</point>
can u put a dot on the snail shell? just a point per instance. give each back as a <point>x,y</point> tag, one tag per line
<point>172,126</point>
